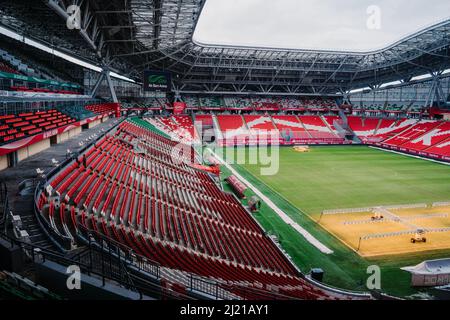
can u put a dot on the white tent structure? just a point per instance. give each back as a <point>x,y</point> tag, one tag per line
<point>430,273</point>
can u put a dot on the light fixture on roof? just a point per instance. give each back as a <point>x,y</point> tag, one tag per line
<point>421,77</point>
<point>40,173</point>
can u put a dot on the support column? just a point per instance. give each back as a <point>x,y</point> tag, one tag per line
<point>97,85</point>
<point>111,86</point>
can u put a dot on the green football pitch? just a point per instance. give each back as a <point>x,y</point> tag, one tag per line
<point>330,177</point>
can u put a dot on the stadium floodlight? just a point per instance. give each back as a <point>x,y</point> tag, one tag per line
<point>393,83</point>
<point>118,76</point>
<point>14,35</point>
<point>359,90</point>
<point>421,77</point>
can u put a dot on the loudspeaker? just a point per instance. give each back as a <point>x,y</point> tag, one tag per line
<point>317,274</point>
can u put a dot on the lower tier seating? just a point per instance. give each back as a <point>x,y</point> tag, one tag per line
<point>131,187</point>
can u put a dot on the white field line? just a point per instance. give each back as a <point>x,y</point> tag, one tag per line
<point>410,155</point>
<point>309,237</point>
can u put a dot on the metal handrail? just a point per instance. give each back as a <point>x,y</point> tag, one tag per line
<point>131,259</point>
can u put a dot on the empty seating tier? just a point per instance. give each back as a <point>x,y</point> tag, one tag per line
<point>133,188</point>
<point>15,127</point>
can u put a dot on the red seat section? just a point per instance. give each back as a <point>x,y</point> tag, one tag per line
<point>133,190</point>
<point>233,129</point>
<point>205,119</point>
<point>441,148</point>
<point>5,67</point>
<point>430,138</point>
<point>181,127</point>
<point>103,108</point>
<point>259,123</point>
<point>412,132</point>
<point>390,128</point>
<point>15,127</point>
<point>318,129</point>
<point>427,138</point>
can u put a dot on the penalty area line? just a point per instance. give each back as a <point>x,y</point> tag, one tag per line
<point>288,220</point>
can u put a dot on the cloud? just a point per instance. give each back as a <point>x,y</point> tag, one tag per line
<point>318,24</point>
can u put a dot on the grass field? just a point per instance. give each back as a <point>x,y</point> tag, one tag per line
<point>345,177</point>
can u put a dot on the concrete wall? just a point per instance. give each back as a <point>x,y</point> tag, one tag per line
<point>38,147</point>
<point>68,134</point>
<point>31,150</point>
<point>3,162</point>
<point>94,124</point>
<point>62,137</point>
<point>419,280</point>
<point>22,154</point>
<point>76,131</point>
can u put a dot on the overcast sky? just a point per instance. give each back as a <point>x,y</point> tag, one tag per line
<point>316,24</point>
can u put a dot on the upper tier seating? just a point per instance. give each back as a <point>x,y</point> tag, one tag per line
<point>23,88</point>
<point>396,107</point>
<point>5,67</point>
<point>192,102</point>
<point>211,103</point>
<point>15,127</point>
<point>101,108</point>
<point>266,104</point>
<point>243,103</point>
<point>290,104</point>
<point>368,106</point>
<point>169,212</point>
<point>416,108</point>
<point>319,104</point>
<point>81,112</point>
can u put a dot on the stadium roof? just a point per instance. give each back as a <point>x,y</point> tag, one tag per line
<point>133,35</point>
<point>345,25</point>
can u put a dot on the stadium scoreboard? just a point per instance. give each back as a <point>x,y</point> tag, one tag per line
<point>157,81</point>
